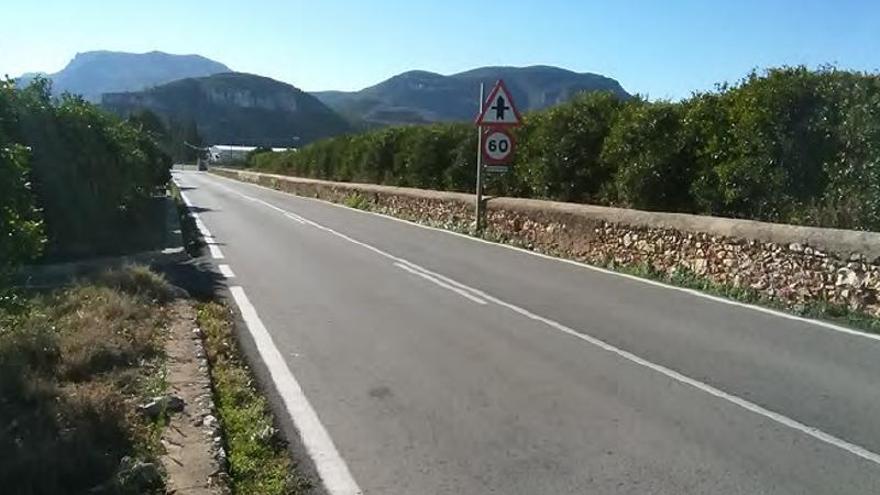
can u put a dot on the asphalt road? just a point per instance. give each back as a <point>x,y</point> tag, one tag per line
<point>438,364</point>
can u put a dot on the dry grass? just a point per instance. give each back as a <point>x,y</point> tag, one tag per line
<point>73,366</point>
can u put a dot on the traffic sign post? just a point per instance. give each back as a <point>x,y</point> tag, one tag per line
<point>495,144</point>
<point>479,189</point>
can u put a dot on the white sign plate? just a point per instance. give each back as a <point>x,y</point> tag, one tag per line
<point>497,146</point>
<point>499,109</point>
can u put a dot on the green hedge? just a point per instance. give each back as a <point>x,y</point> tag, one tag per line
<point>94,175</point>
<point>21,229</point>
<point>789,145</point>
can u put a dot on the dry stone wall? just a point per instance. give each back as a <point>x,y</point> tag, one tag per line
<point>791,265</point>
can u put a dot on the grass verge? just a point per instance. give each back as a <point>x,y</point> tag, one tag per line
<point>259,461</point>
<point>74,364</point>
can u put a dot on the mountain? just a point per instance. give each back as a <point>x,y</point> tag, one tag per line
<point>420,96</point>
<point>93,73</point>
<point>236,108</point>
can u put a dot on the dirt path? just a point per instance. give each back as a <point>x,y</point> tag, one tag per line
<point>191,439</point>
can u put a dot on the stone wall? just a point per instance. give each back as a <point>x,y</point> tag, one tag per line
<point>792,265</point>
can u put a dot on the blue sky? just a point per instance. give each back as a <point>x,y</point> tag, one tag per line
<point>663,49</point>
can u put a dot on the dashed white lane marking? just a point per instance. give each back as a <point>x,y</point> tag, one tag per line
<point>434,280</point>
<point>670,373</point>
<point>215,251</point>
<point>201,225</point>
<point>654,283</point>
<point>330,465</point>
<point>226,271</point>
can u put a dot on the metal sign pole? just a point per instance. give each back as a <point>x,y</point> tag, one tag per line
<point>479,188</point>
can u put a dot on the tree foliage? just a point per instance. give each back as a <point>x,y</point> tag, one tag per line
<point>788,145</point>
<point>21,229</point>
<point>179,140</point>
<point>93,174</point>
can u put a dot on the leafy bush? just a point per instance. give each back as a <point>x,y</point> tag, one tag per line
<point>94,175</point>
<point>851,197</point>
<point>790,145</point>
<point>561,151</point>
<point>781,133</point>
<point>653,159</point>
<point>249,158</point>
<point>22,230</point>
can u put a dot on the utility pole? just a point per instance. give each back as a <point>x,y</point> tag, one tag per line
<point>479,190</point>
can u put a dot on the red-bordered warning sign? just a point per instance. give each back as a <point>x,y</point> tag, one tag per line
<point>499,109</point>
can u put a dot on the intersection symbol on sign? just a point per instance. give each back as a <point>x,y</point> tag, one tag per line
<point>499,109</point>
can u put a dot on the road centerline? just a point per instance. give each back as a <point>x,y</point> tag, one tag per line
<point>440,283</point>
<point>778,418</point>
<point>654,283</point>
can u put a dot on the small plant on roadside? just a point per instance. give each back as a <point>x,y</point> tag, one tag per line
<point>258,459</point>
<point>357,201</point>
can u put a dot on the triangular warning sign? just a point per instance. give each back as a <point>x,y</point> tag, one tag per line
<point>499,110</point>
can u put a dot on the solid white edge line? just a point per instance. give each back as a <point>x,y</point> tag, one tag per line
<point>670,373</point>
<point>654,283</point>
<point>446,286</point>
<point>331,467</point>
<point>226,271</point>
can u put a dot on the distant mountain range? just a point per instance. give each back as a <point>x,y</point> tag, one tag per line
<point>237,108</point>
<point>92,74</point>
<point>421,97</point>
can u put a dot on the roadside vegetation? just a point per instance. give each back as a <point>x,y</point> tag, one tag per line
<point>74,365</point>
<point>258,457</point>
<point>74,180</point>
<point>77,362</point>
<point>789,145</point>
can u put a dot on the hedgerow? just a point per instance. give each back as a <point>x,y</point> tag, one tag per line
<point>788,145</point>
<point>75,174</point>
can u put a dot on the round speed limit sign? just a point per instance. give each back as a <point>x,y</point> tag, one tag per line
<point>497,146</point>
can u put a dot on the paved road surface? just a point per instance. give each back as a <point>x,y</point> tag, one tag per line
<point>437,364</point>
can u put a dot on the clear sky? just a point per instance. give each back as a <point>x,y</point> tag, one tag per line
<point>659,48</point>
